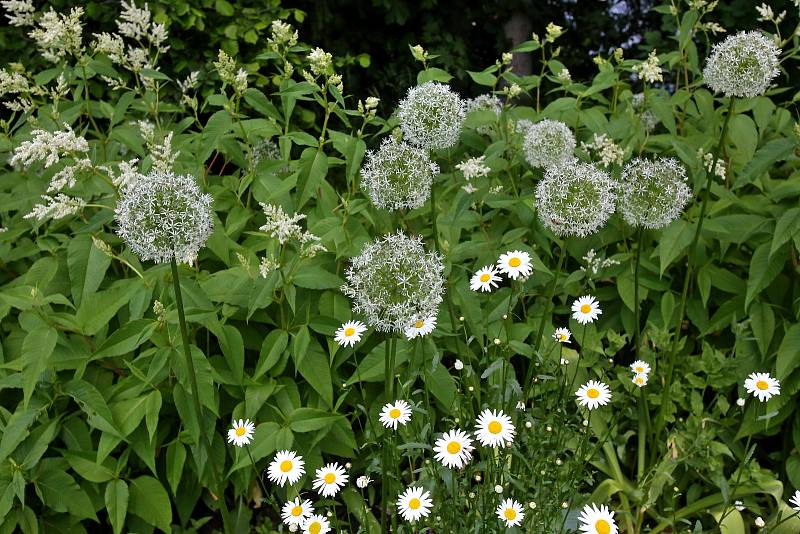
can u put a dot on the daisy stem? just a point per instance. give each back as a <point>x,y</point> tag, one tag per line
<point>745,460</point>
<point>204,437</point>
<point>642,437</point>
<point>258,473</point>
<point>660,419</point>
<point>538,340</point>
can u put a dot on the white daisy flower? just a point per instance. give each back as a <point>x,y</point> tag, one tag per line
<point>597,520</point>
<point>454,449</point>
<point>296,511</point>
<point>421,327</point>
<point>316,524</point>
<point>562,335</point>
<point>510,512</point>
<point>458,365</point>
<point>494,429</point>
<point>515,264</point>
<point>593,394</point>
<point>484,279</point>
<point>287,466</point>
<point>350,333</point>
<point>395,413</point>
<point>640,379</point>
<point>363,481</point>
<point>586,309</point>
<point>330,479</point>
<point>795,501</point>
<point>414,503</point>
<point>242,432</point>
<point>762,385</point>
<point>640,367</point>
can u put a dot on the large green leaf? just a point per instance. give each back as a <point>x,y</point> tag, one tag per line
<point>116,499</point>
<point>87,267</point>
<point>149,501</point>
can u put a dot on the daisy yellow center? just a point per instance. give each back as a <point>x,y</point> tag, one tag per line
<point>495,427</point>
<point>418,324</point>
<point>592,393</point>
<point>394,413</point>
<point>602,526</point>
<point>762,385</point>
<point>330,478</point>
<point>639,380</point>
<point>562,337</point>
<point>240,431</point>
<point>297,510</point>
<point>485,277</point>
<point>640,369</point>
<point>586,308</point>
<point>510,514</point>
<point>414,503</point>
<point>453,447</point>
<point>515,262</point>
<point>286,466</point>
<point>315,528</point>
<point>349,331</point>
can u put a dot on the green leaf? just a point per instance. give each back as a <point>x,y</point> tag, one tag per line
<point>219,124</point>
<point>271,350</point>
<point>315,277</point>
<point>674,240</point>
<point>224,8</point>
<point>788,353</point>
<point>762,321</point>
<point>126,339</point>
<point>61,493</point>
<point>312,176</point>
<point>176,457</point>
<point>97,309</point>
<point>85,465</point>
<point>116,499</point>
<point>763,270</point>
<point>152,407</point>
<point>483,78</point>
<point>149,501</point>
<point>91,401</point>
<point>264,443</point>
<point>786,228</point>
<point>441,383</point>
<point>315,369</point>
<point>433,75</point>
<point>16,430</point>
<point>87,267</point>
<point>311,419</point>
<point>37,350</point>
<point>230,341</point>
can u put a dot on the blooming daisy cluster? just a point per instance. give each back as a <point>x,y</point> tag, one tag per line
<point>575,199</point>
<point>653,193</point>
<point>515,264</point>
<point>164,216</point>
<point>742,65</point>
<point>762,386</point>
<point>398,175</point>
<point>593,394</point>
<point>548,143</point>
<point>641,372</point>
<point>394,282</point>
<point>431,116</point>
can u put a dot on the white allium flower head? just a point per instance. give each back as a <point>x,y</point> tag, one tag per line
<point>548,143</point>
<point>398,175</point>
<point>431,116</point>
<point>164,215</point>
<point>652,194</point>
<point>575,199</point>
<point>742,65</point>
<point>486,102</point>
<point>394,281</point>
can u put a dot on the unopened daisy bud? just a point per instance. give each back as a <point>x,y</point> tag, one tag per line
<point>505,316</point>
<point>363,481</point>
<point>742,65</point>
<point>528,424</point>
<point>471,388</point>
<point>431,116</point>
<point>532,505</point>
<point>739,506</point>
<point>558,461</point>
<point>549,428</point>
<point>521,406</point>
<point>565,505</point>
<point>461,318</point>
<point>548,143</point>
<point>498,488</point>
<point>471,495</point>
<point>740,402</point>
<point>478,478</point>
<point>398,175</point>
<point>458,365</point>
<point>759,522</point>
<point>496,341</point>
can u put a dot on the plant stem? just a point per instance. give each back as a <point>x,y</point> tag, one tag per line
<point>660,419</point>
<point>388,452</point>
<point>204,437</point>
<point>636,310</point>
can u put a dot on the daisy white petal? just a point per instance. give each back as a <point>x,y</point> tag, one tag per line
<point>414,503</point>
<point>287,466</point>
<point>296,511</point>
<point>562,335</point>
<point>586,310</point>
<point>593,394</point>
<point>494,429</point>
<point>350,333</point>
<point>484,279</point>
<point>640,366</point>
<point>597,520</point>
<point>510,512</point>
<point>421,327</point>
<point>762,386</point>
<point>242,432</point>
<point>454,449</point>
<point>330,479</point>
<point>392,414</point>
<point>316,524</point>
<point>515,264</point>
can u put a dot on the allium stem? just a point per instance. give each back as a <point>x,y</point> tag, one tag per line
<point>388,448</point>
<point>537,343</point>
<point>660,419</point>
<point>204,437</point>
<point>636,310</point>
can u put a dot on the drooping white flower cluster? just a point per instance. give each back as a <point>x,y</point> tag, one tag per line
<point>49,148</point>
<point>320,62</point>
<point>648,70</point>
<point>126,175</point>
<point>652,194</point>
<point>164,215</point>
<point>548,143</point>
<point>19,12</point>
<point>765,14</point>
<point>12,82</point>
<point>431,116</point>
<point>575,199</point>
<point>742,65</point>
<point>604,147</point>
<point>58,35</point>
<point>394,281</point>
<point>398,175</point>
<point>136,23</point>
<point>473,168</point>
<point>56,207</point>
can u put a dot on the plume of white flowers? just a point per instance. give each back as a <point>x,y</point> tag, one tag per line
<point>13,82</point>
<point>648,70</point>
<point>575,199</point>
<point>431,116</point>
<point>282,35</point>
<point>742,65</point>
<point>393,281</point>
<point>56,207</point>
<point>58,35</point>
<point>398,175</point>
<point>652,194</point>
<point>126,175</point>
<point>19,12</point>
<point>473,168</point>
<point>164,215</point>
<point>604,147</point>
<point>547,143</point>
<point>163,155</point>
<point>226,68</point>
<point>284,228</point>
<point>49,148</point>
<point>487,102</point>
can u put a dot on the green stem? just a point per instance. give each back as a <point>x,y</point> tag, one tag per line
<point>660,419</point>
<point>388,450</point>
<point>745,461</point>
<point>637,318</point>
<point>258,473</point>
<point>204,436</point>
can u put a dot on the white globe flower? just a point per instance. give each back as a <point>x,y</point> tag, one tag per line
<point>548,143</point>
<point>431,116</point>
<point>742,65</point>
<point>398,175</point>
<point>652,194</point>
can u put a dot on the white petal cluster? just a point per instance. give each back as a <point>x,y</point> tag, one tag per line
<point>575,199</point>
<point>652,194</point>
<point>742,65</point>
<point>164,215</point>
<point>12,82</point>
<point>649,70</point>
<point>282,35</point>
<point>604,148</point>
<point>548,143</point>
<point>431,116</point>
<point>393,281</point>
<point>487,102</point>
<point>56,207</point>
<point>49,147</point>
<point>398,175</point>
<point>473,168</point>
<point>58,35</point>
<point>19,12</point>
<point>284,228</point>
